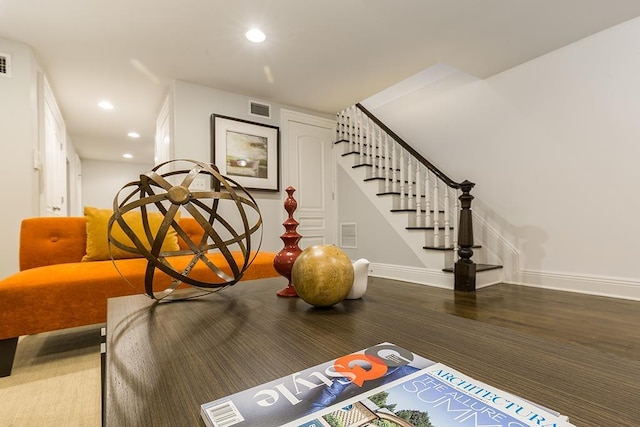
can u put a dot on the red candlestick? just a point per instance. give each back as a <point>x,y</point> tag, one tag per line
<point>283,261</point>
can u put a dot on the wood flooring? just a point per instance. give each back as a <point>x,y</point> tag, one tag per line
<point>610,325</point>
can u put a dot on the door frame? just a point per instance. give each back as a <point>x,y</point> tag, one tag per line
<point>288,116</point>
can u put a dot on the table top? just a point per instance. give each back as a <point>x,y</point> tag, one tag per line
<point>166,359</point>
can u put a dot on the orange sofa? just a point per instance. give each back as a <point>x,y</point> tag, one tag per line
<point>55,290</point>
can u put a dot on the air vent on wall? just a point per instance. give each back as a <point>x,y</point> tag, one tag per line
<point>348,235</point>
<point>259,109</point>
<point>5,65</point>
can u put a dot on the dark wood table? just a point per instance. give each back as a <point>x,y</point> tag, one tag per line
<point>164,360</point>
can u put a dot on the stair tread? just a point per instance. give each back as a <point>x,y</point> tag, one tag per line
<point>382,178</point>
<point>395,193</point>
<point>362,165</point>
<point>427,228</point>
<point>479,267</point>
<point>377,156</point>
<point>413,210</point>
<point>447,248</point>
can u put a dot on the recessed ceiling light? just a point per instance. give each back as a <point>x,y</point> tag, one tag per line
<point>133,135</point>
<point>127,156</point>
<point>105,105</point>
<point>255,35</point>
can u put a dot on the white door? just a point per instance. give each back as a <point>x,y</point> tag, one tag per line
<point>309,168</point>
<point>55,158</point>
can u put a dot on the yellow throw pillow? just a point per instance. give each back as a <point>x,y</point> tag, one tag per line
<point>97,234</point>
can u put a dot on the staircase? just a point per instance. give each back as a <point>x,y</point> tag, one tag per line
<point>431,211</point>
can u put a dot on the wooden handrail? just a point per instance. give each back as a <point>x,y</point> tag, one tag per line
<point>451,183</point>
<point>464,268</point>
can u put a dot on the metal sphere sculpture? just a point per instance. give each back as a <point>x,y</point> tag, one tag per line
<point>172,194</point>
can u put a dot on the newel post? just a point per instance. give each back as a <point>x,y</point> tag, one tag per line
<point>465,268</point>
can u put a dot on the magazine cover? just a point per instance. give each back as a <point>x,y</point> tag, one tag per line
<point>314,389</point>
<point>437,396</point>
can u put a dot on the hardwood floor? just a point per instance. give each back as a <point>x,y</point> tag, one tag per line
<point>609,325</point>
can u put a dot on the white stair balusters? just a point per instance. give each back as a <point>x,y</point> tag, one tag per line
<point>387,164</point>
<point>350,129</point>
<point>394,167</point>
<point>357,133</point>
<point>436,213</point>
<point>371,142</point>
<point>418,197</point>
<point>380,158</point>
<point>402,181</point>
<point>409,203</point>
<point>345,124</point>
<point>362,131</point>
<point>357,130</point>
<point>447,220</point>
<point>418,189</point>
<point>456,210</point>
<point>428,219</point>
<point>366,143</point>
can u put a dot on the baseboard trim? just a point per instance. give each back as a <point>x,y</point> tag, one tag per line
<point>592,285</point>
<point>428,277</point>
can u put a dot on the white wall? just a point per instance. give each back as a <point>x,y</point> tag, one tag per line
<point>193,106</point>
<point>101,180</point>
<point>553,146</point>
<point>377,240</point>
<point>18,140</point>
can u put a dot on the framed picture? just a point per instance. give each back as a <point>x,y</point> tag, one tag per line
<point>246,152</point>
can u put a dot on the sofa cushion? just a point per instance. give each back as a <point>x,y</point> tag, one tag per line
<point>52,240</point>
<point>98,240</point>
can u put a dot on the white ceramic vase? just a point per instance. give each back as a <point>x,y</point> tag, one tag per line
<point>360,279</point>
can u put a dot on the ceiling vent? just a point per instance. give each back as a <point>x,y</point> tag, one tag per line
<point>5,65</point>
<point>259,109</point>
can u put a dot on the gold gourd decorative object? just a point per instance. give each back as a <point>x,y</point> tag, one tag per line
<point>322,275</point>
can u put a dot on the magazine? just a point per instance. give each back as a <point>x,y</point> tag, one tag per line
<point>381,386</point>
<point>437,396</point>
<point>314,389</point>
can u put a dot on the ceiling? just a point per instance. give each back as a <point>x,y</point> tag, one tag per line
<point>322,55</point>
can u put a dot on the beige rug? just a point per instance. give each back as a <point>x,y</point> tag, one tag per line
<point>55,380</point>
